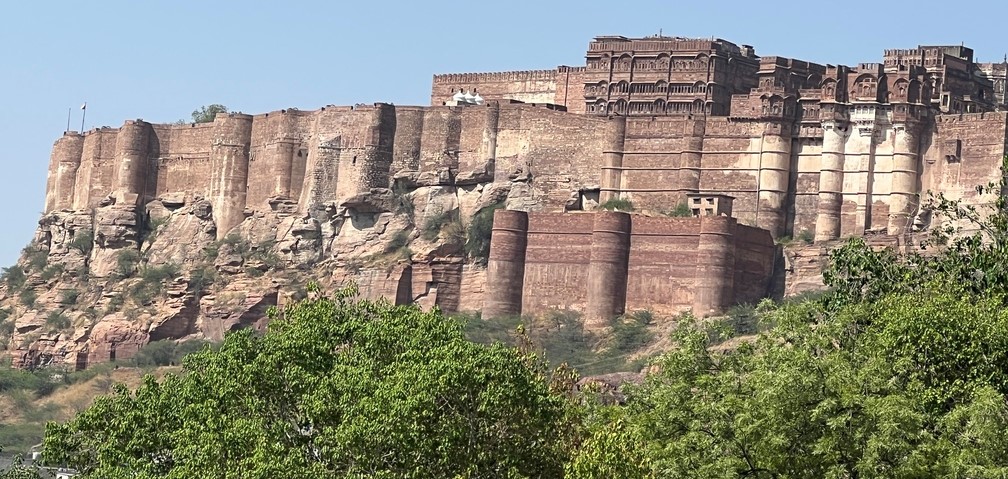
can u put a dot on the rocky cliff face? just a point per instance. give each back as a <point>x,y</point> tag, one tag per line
<point>95,286</point>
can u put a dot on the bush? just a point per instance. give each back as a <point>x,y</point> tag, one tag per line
<point>13,277</point>
<point>115,304</point>
<point>405,205</point>
<point>151,284</point>
<point>58,321</point>
<point>28,297</point>
<point>165,352</point>
<point>434,223</point>
<point>211,250</point>
<point>400,241</point>
<point>681,210</point>
<point>83,241</point>
<point>618,204</point>
<point>126,263</point>
<point>478,234</point>
<point>630,332</point>
<point>35,259</point>
<point>805,236</point>
<point>69,297</point>
<point>200,277</point>
<point>51,271</point>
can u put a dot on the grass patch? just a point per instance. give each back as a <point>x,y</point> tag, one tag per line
<point>28,297</point>
<point>435,223</point>
<point>618,204</point>
<point>57,321</point>
<point>681,210</point>
<point>479,233</point>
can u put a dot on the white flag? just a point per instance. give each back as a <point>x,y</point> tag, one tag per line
<point>84,106</point>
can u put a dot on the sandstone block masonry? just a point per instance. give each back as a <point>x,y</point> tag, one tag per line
<point>608,263</point>
<point>811,150</point>
<point>806,149</point>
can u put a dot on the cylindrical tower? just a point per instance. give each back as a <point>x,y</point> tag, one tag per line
<point>285,146</point>
<point>229,161</point>
<point>831,181</point>
<point>715,273</point>
<point>774,172</point>
<point>132,153</point>
<point>63,165</point>
<point>506,265</point>
<point>691,156</point>
<point>903,200</point>
<point>612,160</point>
<point>607,272</point>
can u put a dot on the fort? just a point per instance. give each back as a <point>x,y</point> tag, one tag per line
<point>787,147</point>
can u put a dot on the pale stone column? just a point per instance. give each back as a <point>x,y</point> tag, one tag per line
<point>831,181</point>
<point>774,172</point>
<point>903,198</point>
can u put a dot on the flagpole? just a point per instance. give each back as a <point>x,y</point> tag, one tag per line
<point>83,115</point>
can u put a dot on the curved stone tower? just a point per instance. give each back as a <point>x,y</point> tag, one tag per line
<point>607,272</point>
<point>229,162</point>
<point>903,200</point>
<point>831,181</point>
<point>132,154</point>
<point>612,160</point>
<point>285,146</point>
<point>62,177</point>
<point>506,265</point>
<point>715,266</point>
<point>774,172</point>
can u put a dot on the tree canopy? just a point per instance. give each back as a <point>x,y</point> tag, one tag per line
<point>207,113</point>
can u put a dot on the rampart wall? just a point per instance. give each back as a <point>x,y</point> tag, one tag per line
<point>607,263</point>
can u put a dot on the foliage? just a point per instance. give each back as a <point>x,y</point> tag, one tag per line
<point>436,222</point>
<point>207,113</point>
<point>13,277</point>
<point>57,321</point>
<point>681,210</point>
<point>165,353</point>
<point>399,242</point>
<point>972,251</point>
<point>17,469</point>
<point>478,234</point>
<point>51,271</point>
<point>805,236</point>
<point>152,282</point>
<point>200,277</point>
<point>405,206</point>
<point>69,297</point>
<point>126,263</point>
<point>336,387</point>
<point>630,332</point>
<point>28,297</point>
<point>617,204</point>
<point>35,259</point>
<point>83,241</point>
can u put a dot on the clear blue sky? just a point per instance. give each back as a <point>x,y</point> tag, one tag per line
<point>160,60</point>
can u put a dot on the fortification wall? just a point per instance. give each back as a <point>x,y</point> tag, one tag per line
<point>529,86</point>
<point>604,264</point>
<point>563,152</point>
<point>184,162</point>
<point>964,151</point>
<point>96,175</point>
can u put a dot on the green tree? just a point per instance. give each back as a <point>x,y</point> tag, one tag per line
<point>207,113</point>
<point>335,387</point>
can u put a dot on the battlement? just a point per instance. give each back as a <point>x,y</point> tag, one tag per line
<point>664,44</point>
<point>495,76</point>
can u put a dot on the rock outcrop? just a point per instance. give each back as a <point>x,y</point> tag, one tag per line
<point>98,285</point>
